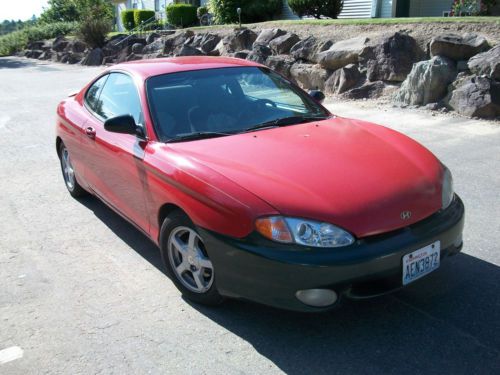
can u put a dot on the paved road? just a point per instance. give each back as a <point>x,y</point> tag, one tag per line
<point>82,292</point>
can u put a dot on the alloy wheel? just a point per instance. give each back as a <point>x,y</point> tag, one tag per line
<point>189,260</point>
<point>68,171</point>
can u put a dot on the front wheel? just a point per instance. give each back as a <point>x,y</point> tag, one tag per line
<point>186,260</point>
<point>68,172</point>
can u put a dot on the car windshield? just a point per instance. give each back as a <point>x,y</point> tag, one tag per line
<point>225,101</point>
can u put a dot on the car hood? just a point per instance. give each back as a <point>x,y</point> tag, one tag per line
<point>353,174</point>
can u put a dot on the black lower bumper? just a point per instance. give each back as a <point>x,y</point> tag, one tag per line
<point>270,273</point>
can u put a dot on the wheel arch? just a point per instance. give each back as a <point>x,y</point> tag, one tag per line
<point>165,210</point>
<point>59,142</point>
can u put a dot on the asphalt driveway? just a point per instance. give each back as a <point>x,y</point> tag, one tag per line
<point>83,292</point>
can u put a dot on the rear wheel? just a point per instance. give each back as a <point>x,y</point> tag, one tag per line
<point>186,260</point>
<point>68,172</point>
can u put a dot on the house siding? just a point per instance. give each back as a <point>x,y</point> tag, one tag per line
<point>429,8</point>
<point>357,9</point>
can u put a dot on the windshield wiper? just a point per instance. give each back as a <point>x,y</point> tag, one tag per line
<point>284,121</point>
<point>197,135</point>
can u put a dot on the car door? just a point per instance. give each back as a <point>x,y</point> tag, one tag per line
<point>114,162</point>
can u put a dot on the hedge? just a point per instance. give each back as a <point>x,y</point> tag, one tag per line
<point>142,15</point>
<point>128,19</point>
<point>224,11</point>
<point>182,15</point>
<point>18,40</point>
<point>317,8</point>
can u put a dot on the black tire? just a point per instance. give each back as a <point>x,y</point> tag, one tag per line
<point>173,223</point>
<point>72,184</point>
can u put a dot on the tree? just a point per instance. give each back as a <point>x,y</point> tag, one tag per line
<point>76,10</point>
<point>317,8</point>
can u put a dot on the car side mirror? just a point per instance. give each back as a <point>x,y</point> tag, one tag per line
<point>124,124</point>
<point>317,95</point>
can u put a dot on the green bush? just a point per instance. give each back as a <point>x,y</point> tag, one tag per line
<point>142,15</point>
<point>128,19</point>
<point>201,11</point>
<point>182,15</point>
<point>224,11</point>
<point>93,31</point>
<point>18,40</point>
<point>317,8</point>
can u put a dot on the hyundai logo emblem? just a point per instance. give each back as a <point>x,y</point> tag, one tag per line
<point>405,215</point>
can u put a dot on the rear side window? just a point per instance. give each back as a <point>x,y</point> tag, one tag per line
<point>92,96</point>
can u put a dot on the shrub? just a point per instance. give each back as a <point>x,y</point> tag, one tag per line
<point>181,15</point>
<point>317,8</point>
<point>18,40</point>
<point>142,15</point>
<point>93,31</point>
<point>224,11</point>
<point>201,11</point>
<point>128,19</point>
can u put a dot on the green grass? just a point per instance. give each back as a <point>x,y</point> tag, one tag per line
<point>364,21</point>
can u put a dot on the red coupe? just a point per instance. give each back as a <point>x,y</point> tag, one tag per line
<point>252,189</point>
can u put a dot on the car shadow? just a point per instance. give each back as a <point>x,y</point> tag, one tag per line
<point>126,231</point>
<point>446,323</point>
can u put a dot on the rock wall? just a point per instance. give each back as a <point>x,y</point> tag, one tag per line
<point>454,71</point>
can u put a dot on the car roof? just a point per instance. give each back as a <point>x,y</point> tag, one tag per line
<point>153,67</point>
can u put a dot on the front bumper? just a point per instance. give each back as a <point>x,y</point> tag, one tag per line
<point>263,271</point>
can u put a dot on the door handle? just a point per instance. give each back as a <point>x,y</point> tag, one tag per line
<point>90,132</point>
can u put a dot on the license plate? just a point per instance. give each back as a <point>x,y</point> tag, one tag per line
<point>420,262</point>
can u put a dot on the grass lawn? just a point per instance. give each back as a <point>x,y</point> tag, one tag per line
<point>357,21</point>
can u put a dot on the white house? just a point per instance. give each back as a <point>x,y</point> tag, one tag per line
<point>395,8</point>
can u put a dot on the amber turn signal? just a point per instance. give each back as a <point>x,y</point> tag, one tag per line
<point>274,228</point>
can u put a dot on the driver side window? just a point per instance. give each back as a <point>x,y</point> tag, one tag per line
<point>118,97</point>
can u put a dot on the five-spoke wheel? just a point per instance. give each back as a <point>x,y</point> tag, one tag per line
<point>187,260</point>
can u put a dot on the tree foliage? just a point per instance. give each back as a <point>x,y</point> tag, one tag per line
<point>76,10</point>
<point>317,8</point>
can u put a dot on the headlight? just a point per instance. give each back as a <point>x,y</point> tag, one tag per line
<point>303,232</point>
<point>447,189</point>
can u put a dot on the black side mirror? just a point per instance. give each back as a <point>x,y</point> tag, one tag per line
<point>317,95</point>
<point>124,124</point>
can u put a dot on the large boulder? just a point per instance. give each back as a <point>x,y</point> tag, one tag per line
<point>308,49</point>
<point>259,53</point>
<point>59,44</point>
<point>76,46</point>
<point>284,43</point>
<point>427,81</point>
<point>157,46</point>
<point>475,96</point>
<point>187,50</point>
<point>458,47</point>
<point>173,42</point>
<point>369,90</point>
<point>137,48</point>
<point>486,63</point>
<point>152,37</point>
<point>240,40</point>
<point>308,76</point>
<point>343,79</point>
<point>342,53</point>
<point>94,58</point>
<point>206,42</point>
<point>267,35</point>
<point>281,64</point>
<point>390,57</point>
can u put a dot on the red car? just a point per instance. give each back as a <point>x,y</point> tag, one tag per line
<point>252,189</point>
